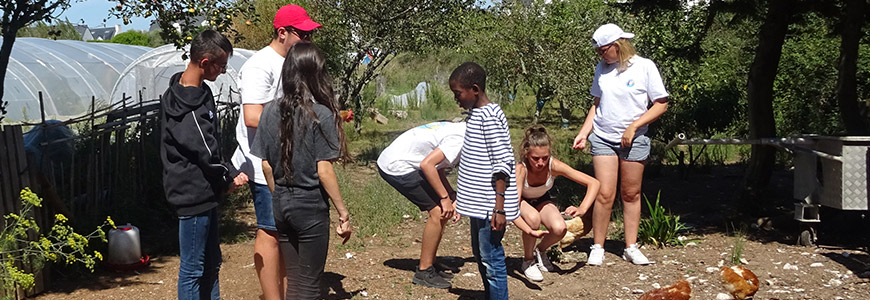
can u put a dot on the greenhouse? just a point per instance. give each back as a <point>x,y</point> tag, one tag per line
<point>150,74</point>
<point>70,73</point>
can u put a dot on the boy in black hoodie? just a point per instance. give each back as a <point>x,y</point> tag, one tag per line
<point>195,178</point>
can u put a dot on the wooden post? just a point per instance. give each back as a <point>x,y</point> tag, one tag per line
<point>140,186</point>
<point>93,110</point>
<point>41,107</point>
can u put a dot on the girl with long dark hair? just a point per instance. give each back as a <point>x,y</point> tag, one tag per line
<point>301,136</point>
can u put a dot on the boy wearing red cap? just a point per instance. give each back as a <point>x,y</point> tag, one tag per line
<point>259,83</point>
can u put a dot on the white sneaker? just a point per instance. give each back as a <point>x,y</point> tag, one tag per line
<point>530,269</point>
<point>633,255</point>
<point>596,256</point>
<point>543,261</point>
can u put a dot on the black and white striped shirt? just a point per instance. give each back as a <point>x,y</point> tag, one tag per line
<point>486,151</point>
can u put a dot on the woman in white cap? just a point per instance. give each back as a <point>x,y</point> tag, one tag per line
<point>623,87</point>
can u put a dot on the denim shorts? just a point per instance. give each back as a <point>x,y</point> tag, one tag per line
<point>414,187</point>
<point>639,150</point>
<point>263,206</point>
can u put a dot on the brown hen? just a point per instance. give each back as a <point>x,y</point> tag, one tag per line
<point>739,281</point>
<point>577,228</point>
<point>679,291</point>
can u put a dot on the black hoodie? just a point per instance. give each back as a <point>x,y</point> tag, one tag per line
<point>195,178</point>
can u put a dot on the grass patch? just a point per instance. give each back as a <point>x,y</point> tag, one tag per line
<point>660,228</point>
<point>375,207</point>
<point>737,249</point>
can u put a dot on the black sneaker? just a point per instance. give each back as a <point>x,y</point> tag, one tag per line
<point>445,271</point>
<point>430,278</point>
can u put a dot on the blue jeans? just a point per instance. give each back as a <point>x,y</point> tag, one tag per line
<point>263,206</point>
<point>199,248</point>
<point>487,248</point>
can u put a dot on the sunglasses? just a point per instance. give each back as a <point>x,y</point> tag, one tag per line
<point>303,35</point>
<point>603,49</point>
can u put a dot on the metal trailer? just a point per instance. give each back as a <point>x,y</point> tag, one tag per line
<point>828,170</point>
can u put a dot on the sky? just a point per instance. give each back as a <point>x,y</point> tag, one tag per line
<point>94,11</point>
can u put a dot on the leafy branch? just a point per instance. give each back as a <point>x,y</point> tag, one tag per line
<point>21,243</point>
<point>181,20</point>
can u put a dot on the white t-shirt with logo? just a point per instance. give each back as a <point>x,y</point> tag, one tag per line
<point>259,83</point>
<point>624,96</point>
<point>406,153</point>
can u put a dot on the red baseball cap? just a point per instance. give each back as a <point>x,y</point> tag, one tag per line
<point>296,16</point>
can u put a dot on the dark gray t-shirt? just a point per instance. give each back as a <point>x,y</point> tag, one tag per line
<point>316,142</point>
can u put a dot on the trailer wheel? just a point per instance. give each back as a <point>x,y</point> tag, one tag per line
<point>807,237</point>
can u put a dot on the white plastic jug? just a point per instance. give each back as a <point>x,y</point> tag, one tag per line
<point>124,246</point>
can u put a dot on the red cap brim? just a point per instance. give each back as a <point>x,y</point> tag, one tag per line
<point>307,25</point>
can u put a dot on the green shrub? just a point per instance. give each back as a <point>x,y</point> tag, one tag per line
<point>132,37</point>
<point>22,243</point>
<point>660,228</point>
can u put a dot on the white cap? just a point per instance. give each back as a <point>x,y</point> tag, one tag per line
<point>609,33</point>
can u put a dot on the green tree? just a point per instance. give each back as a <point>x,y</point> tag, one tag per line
<point>542,46</point>
<point>760,91</point>
<point>131,37</point>
<point>191,16</point>
<point>353,30</point>
<point>701,53</point>
<point>154,39</point>
<point>257,32</point>
<point>19,14</point>
<point>62,30</point>
<point>855,122</point>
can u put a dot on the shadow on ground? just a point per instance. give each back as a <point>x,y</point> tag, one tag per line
<point>333,288</point>
<point>445,263</point>
<point>102,279</point>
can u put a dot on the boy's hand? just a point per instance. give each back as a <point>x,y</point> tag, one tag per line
<point>240,180</point>
<point>498,222</point>
<point>447,209</point>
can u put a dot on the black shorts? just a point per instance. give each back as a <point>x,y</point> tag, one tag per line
<point>538,201</point>
<point>415,187</point>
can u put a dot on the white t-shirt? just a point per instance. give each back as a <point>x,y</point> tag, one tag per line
<point>624,96</point>
<point>406,153</point>
<point>259,82</point>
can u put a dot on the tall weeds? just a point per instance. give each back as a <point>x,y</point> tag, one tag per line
<point>661,228</point>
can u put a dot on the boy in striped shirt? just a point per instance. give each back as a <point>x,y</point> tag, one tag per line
<point>487,183</point>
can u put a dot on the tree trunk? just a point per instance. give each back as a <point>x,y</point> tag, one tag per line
<point>5,52</point>
<point>847,93</point>
<point>762,74</point>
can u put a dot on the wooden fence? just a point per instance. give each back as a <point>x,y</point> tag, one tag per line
<point>113,165</point>
<point>15,174</point>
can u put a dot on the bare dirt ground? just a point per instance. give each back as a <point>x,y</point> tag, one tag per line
<point>383,268</point>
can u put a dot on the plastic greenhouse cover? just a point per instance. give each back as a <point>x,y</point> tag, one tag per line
<point>150,74</point>
<point>67,72</point>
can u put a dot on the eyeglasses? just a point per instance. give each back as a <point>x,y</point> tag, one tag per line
<point>603,49</point>
<point>303,35</point>
<point>214,63</point>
